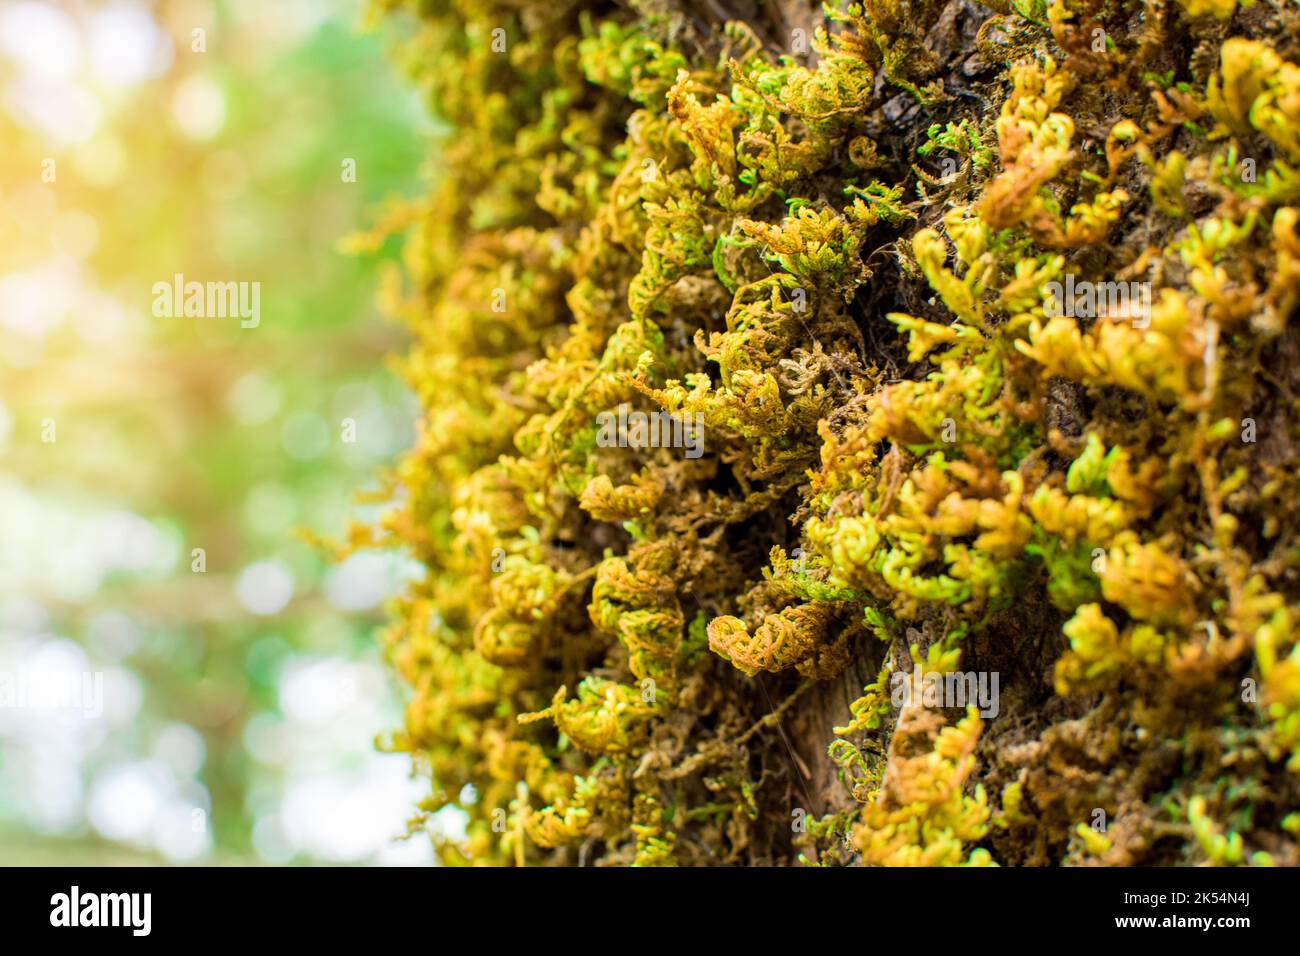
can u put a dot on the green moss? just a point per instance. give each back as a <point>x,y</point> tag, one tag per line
<point>913,446</point>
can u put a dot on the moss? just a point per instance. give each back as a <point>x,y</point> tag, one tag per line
<point>1026,411</point>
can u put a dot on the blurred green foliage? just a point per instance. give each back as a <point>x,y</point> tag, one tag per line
<point>224,164</point>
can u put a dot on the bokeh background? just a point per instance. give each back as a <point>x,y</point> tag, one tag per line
<point>241,703</point>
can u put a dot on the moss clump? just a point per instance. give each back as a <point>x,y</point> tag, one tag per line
<point>988,318</point>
